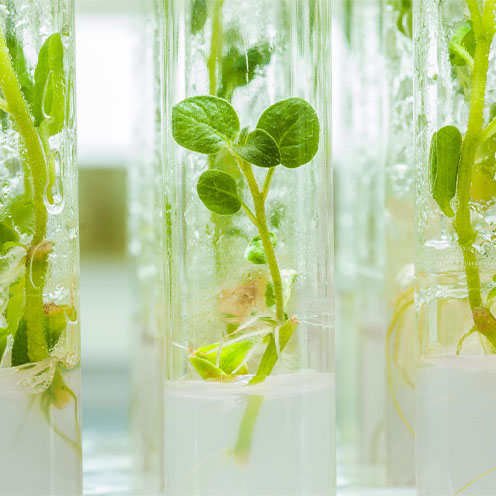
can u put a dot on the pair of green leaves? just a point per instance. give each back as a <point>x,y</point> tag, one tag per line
<point>212,365</point>
<point>231,359</point>
<point>444,160</point>
<point>287,133</point>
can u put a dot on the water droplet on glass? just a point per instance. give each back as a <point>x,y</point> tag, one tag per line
<point>46,105</point>
<point>54,192</point>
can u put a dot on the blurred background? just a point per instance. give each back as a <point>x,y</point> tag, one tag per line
<point>108,43</point>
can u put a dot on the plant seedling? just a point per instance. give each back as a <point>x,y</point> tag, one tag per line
<point>37,106</point>
<point>286,134</point>
<point>453,158</point>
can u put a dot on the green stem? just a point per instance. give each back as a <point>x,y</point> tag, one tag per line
<point>463,224</point>
<point>268,180</point>
<point>263,230</point>
<point>464,55</point>
<point>245,434</point>
<point>36,268</point>
<point>488,17</point>
<point>475,14</point>
<point>463,338</point>
<point>30,138</point>
<point>36,164</point>
<point>215,46</point>
<point>249,213</point>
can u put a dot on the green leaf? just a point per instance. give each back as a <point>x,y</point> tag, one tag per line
<point>281,336</point>
<point>15,306</point>
<point>198,15</point>
<point>259,149</point>
<point>205,368</point>
<point>7,234</point>
<point>277,214</point>
<point>232,356</point>
<point>218,192</point>
<point>12,264</point>
<point>20,347</point>
<point>295,127</point>
<point>49,85</point>
<point>239,67</point>
<point>405,17</point>
<point>22,214</point>
<point>225,162</point>
<point>444,159</point>
<point>55,322</point>
<point>204,124</point>
<point>462,41</point>
<point>16,51</point>
<point>492,295</point>
<point>255,252</point>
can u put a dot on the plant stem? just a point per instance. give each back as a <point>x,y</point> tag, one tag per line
<point>464,55</point>
<point>463,225</point>
<point>36,161</point>
<point>263,230</point>
<point>245,434</point>
<point>475,14</point>
<point>215,46</point>
<point>30,138</point>
<point>249,213</point>
<point>268,180</point>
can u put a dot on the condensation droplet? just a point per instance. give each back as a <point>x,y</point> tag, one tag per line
<point>46,102</point>
<point>71,111</point>
<point>54,192</point>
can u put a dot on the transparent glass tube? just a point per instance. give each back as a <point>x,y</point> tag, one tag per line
<point>455,249</point>
<point>40,452</point>
<point>146,245</point>
<point>400,243</point>
<point>249,405</point>
<point>360,306</point>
